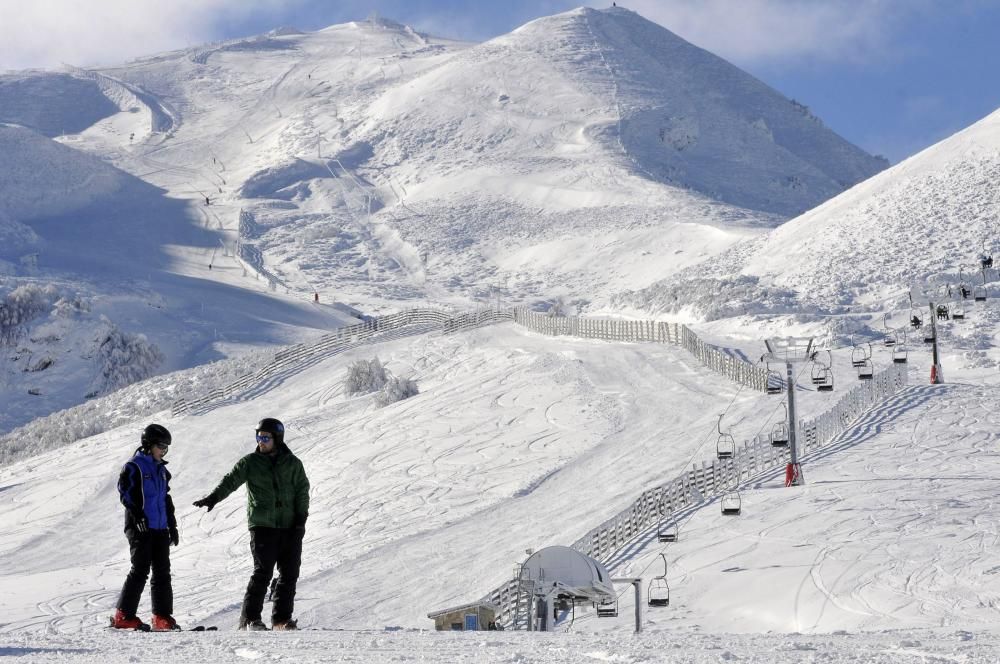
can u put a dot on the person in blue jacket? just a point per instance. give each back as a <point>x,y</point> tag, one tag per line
<point>151,528</point>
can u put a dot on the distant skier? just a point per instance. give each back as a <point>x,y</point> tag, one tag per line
<point>151,529</point>
<point>208,201</point>
<point>277,509</point>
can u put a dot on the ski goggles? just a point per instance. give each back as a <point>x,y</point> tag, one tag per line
<point>264,438</point>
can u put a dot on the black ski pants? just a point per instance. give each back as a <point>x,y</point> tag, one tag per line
<point>270,547</point>
<point>148,550</point>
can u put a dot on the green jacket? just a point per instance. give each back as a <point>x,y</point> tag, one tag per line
<point>277,489</point>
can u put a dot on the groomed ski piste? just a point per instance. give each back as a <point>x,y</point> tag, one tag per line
<point>518,440</point>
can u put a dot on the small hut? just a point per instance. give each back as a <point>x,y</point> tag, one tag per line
<point>476,616</point>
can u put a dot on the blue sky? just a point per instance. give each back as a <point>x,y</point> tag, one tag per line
<point>892,76</point>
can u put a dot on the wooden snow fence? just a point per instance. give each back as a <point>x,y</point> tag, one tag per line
<point>415,321</point>
<point>616,329</point>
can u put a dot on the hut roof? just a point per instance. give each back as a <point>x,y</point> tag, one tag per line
<point>476,605</point>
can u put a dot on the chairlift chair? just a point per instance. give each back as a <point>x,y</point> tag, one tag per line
<point>779,432</point>
<point>942,312</point>
<point>979,293</point>
<point>775,384</point>
<point>608,609</point>
<point>866,370</point>
<point>827,384</point>
<point>658,592</point>
<point>889,338</point>
<point>915,321</point>
<point>817,373</point>
<point>860,354</point>
<point>732,504</point>
<point>666,532</point>
<point>779,435</point>
<point>899,355</point>
<point>986,258</point>
<point>725,446</point>
<point>958,311</point>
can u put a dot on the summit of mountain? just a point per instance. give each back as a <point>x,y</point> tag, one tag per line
<point>687,117</point>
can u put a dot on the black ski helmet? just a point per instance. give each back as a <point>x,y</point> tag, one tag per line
<point>273,427</point>
<point>155,434</point>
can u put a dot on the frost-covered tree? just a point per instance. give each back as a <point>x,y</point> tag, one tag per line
<point>714,298</point>
<point>70,306</point>
<point>558,308</point>
<point>365,377</point>
<point>124,358</point>
<point>22,305</point>
<point>396,389</point>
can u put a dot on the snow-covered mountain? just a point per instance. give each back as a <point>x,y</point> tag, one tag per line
<point>582,156</point>
<point>921,227</point>
<point>920,222</point>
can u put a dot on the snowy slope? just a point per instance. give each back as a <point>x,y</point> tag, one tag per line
<point>927,217</point>
<point>104,254</point>
<point>920,225</point>
<point>689,118</point>
<point>52,104</point>
<point>42,178</point>
<point>520,441</point>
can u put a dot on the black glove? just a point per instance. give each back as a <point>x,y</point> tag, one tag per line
<point>300,529</point>
<point>208,501</point>
<point>141,525</point>
<point>175,537</point>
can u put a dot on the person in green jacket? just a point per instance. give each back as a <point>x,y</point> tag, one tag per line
<point>277,509</point>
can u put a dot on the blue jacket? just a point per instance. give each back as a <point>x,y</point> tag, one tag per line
<point>144,489</point>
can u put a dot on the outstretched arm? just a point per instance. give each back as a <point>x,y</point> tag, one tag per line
<point>233,480</point>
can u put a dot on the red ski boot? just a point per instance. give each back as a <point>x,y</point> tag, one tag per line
<point>164,624</point>
<point>121,621</point>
